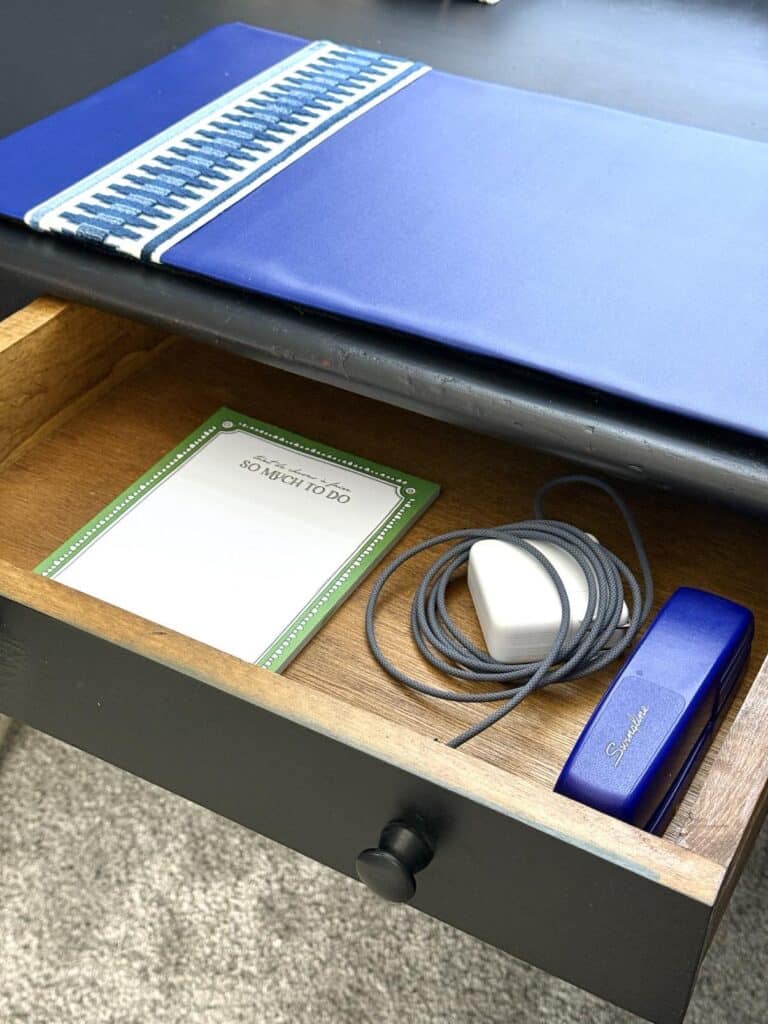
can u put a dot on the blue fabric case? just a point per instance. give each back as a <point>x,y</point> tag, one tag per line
<point>644,741</point>
<point>621,252</point>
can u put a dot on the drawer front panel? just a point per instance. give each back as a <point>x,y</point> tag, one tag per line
<point>622,935</point>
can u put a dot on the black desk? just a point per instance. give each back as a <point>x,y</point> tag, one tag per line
<point>703,63</point>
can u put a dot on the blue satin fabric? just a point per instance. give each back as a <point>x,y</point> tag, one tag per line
<point>47,157</point>
<point>621,252</point>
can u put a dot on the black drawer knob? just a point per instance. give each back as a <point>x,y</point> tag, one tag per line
<point>388,869</point>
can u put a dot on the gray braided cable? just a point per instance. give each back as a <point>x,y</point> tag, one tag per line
<point>443,645</point>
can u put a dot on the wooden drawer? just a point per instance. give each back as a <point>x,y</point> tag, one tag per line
<point>322,757</point>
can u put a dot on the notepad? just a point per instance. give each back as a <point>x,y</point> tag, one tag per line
<point>246,537</point>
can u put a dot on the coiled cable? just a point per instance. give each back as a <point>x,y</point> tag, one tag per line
<point>443,645</point>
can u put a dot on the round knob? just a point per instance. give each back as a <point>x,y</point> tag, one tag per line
<point>388,869</point>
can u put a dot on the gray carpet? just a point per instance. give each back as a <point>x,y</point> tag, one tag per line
<point>120,903</point>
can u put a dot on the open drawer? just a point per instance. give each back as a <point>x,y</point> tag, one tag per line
<point>322,757</point>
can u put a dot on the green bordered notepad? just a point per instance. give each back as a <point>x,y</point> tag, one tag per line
<point>246,537</point>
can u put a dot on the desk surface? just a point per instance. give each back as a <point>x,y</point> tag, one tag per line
<point>703,63</point>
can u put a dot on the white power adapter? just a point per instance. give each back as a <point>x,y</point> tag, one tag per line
<point>519,606</point>
<point>517,603</point>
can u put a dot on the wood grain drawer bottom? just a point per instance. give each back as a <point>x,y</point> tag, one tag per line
<point>323,756</point>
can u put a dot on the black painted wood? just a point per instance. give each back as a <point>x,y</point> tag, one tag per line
<point>703,62</point>
<point>599,924</point>
<point>534,409</point>
<point>389,869</point>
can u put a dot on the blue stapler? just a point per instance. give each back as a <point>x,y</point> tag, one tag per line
<point>647,736</point>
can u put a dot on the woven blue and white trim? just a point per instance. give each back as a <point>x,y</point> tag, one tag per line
<point>158,193</point>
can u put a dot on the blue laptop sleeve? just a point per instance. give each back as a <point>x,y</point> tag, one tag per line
<point>617,251</point>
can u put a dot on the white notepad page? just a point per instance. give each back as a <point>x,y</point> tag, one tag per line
<point>242,538</point>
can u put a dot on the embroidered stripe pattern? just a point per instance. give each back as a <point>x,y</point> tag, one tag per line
<point>149,199</point>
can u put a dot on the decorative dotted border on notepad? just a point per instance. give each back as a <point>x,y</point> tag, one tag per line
<point>352,567</point>
<point>338,583</point>
<point>126,499</point>
<point>321,452</point>
<point>222,422</point>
